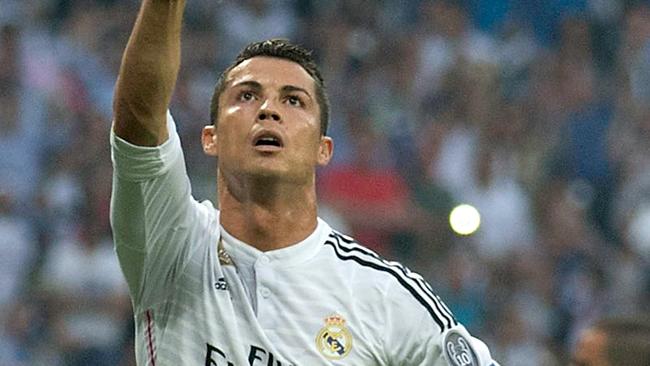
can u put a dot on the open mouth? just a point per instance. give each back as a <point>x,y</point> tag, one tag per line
<point>268,139</point>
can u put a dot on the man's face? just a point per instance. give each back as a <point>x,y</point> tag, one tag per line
<point>591,349</point>
<point>269,123</point>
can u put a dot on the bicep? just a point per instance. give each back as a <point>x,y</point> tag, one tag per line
<point>151,207</point>
<point>147,230</point>
<point>150,188</point>
<point>127,221</point>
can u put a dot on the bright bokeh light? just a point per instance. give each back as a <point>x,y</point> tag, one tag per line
<point>464,219</point>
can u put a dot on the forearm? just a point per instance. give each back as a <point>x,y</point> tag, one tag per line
<point>148,73</point>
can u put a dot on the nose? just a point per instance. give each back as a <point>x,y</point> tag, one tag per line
<point>267,111</point>
<point>267,114</point>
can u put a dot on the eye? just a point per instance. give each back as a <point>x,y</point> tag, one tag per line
<point>246,96</point>
<point>294,101</point>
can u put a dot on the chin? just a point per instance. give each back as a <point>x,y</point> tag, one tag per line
<point>277,174</point>
<point>266,172</point>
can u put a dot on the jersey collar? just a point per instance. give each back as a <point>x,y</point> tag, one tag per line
<point>245,254</point>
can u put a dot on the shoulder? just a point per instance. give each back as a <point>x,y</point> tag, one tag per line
<point>417,326</point>
<point>401,289</point>
<point>349,255</point>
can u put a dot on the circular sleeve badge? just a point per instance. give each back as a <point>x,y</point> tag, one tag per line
<point>458,350</point>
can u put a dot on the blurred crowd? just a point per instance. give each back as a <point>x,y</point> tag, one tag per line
<point>537,113</point>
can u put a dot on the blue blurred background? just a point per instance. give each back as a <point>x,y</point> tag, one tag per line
<point>537,113</point>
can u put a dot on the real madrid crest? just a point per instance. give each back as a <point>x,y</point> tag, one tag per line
<point>334,340</point>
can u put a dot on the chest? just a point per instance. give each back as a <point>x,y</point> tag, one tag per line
<point>275,316</point>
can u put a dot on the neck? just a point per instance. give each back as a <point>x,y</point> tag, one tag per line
<point>267,214</point>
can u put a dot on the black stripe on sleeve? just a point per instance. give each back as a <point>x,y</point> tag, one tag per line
<point>423,286</point>
<point>441,316</point>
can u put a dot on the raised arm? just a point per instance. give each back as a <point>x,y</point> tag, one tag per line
<point>148,73</point>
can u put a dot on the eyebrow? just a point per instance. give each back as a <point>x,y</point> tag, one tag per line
<point>285,89</point>
<point>292,88</point>
<point>249,83</point>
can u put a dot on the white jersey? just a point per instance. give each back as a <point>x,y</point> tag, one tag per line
<point>202,297</point>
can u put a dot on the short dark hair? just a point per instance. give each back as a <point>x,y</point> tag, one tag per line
<point>279,48</point>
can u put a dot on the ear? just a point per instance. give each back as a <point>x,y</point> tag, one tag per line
<point>325,150</point>
<point>209,140</point>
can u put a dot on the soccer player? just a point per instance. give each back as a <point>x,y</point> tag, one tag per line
<point>262,280</point>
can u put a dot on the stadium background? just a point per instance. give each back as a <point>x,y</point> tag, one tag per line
<point>535,112</point>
